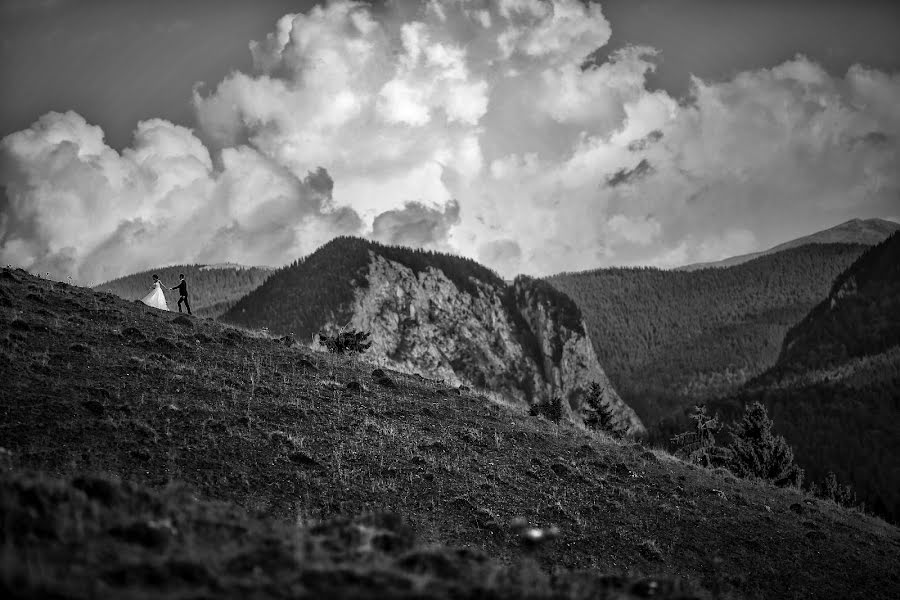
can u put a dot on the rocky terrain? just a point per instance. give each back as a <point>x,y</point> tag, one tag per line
<point>152,455</point>
<point>525,341</point>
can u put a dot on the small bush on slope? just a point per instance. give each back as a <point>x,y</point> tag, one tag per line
<point>551,409</point>
<point>699,446</point>
<point>830,489</point>
<point>345,342</point>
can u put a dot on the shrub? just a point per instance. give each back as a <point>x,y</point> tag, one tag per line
<point>699,446</point>
<point>830,489</point>
<point>755,451</point>
<point>346,341</point>
<point>550,409</point>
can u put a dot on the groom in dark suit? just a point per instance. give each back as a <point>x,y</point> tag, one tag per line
<point>182,294</point>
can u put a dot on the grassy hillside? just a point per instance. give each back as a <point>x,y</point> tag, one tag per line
<point>669,338</point>
<point>284,451</point>
<point>212,289</point>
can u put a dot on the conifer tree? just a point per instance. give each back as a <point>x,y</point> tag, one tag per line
<point>601,415</point>
<point>755,451</point>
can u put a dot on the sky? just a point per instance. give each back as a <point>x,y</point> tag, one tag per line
<point>535,136</point>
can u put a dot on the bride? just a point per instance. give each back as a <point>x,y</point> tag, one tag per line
<point>156,298</point>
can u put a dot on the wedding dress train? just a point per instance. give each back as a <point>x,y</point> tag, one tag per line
<point>156,298</point>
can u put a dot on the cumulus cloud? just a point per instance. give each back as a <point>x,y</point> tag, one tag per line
<point>416,225</point>
<point>504,255</point>
<point>76,207</point>
<point>489,128</point>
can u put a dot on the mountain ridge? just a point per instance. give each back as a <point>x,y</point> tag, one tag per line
<point>441,316</point>
<point>867,232</point>
<point>668,339</point>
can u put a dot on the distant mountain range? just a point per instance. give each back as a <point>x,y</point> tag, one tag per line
<point>670,338</point>
<point>834,389</point>
<point>867,232</point>
<point>856,231</point>
<point>212,288</point>
<point>441,316</point>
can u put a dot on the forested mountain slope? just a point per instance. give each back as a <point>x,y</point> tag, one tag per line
<point>441,316</point>
<point>213,289</point>
<point>670,338</point>
<point>860,316</point>
<point>835,390</point>
<point>254,469</point>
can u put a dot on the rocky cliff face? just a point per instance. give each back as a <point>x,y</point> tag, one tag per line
<point>512,340</point>
<point>566,361</point>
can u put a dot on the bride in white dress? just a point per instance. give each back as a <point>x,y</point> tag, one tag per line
<point>156,298</point>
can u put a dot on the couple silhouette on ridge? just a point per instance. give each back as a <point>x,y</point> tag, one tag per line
<point>157,299</point>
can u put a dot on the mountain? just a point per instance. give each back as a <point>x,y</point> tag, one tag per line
<point>442,316</point>
<point>860,317</point>
<point>867,232</point>
<point>835,390</point>
<point>245,467</point>
<point>668,339</point>
<point>212,289</point>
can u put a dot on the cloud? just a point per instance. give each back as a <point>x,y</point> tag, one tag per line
<point>623,176</point>
<point>76,207</point>
<point>487,128</point>
<point>645,142</point>
<point>416,225</point>
<point>502,255</point>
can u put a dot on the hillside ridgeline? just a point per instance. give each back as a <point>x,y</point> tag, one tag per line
<point>441,316</point>
<point>212,289</point>
<point>248,464</point>
<point>868,232</point>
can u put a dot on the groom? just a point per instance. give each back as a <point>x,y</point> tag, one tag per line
<point>182,294</point>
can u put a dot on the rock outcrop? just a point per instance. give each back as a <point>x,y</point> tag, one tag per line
<point>525,341</point>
